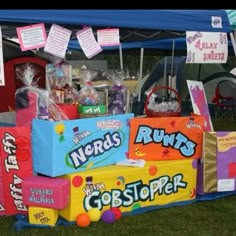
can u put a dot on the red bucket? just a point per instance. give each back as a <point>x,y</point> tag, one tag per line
<point>71,110</point>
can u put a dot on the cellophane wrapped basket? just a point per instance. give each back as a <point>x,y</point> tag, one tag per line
<point>163,101</point>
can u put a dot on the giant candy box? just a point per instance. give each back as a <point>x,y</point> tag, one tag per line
<point>218,170</point>
<point>76,145</point>
<point>166,138</point>
<point>15,165</point>
<point>131,188</point>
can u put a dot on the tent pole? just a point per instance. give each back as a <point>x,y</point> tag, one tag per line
<point>233,42</point>
<point>121,57</point>
<point>141,63</point>
<point>172,59</point>
<point>199,71</point>
<point>165,79</point>
<point>171,77</point>
<point>141,74</point>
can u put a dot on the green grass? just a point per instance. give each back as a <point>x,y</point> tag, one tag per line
<point>209,218</point>
<point>206,218</point>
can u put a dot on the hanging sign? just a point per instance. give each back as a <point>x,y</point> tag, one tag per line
<point>206,47</point>
<point>88,42</point>
<point>32,36</point>
<point>108,37</point>
<point>57,41</point>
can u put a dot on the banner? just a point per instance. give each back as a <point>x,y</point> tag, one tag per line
<point>206,47</point>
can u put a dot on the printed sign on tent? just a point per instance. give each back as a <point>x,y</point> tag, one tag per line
<point>199,102</point>
<point>32,36</point>
<point>206,47</point>
<point>57,42</point>
<point>108,37</point>
<point>2,75</point>
<point>88,42</point>
<point>216,22</point>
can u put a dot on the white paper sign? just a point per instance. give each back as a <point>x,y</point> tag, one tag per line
<point>32,36</point>
<point>2,75</point>
<point>225,185</point>
<point>88,43</point>
<point>57,42</point>
<point>206,47</point>
<point>108,37</point>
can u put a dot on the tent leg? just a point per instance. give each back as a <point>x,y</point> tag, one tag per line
<point>121,57</point>
<point>141,73</point>
<point>233,42</point>
<point>138,106</point>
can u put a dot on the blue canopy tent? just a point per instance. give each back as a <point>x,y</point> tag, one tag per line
<point>140,27</point>
<point>135,26</point>
<point>162,44</point>
<point>162,20</point>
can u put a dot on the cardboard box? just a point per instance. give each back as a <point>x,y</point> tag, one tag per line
<point>131,188</point>
<point>166,138</point>
<point>45,191</point>
<point>15,165</point>
<point>99,109</point>
<point>70,146</point>
<point>43,216</point>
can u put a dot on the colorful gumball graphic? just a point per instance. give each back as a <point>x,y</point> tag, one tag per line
<point>108,217</point>
<point>94,214</point>
<point>120,180</point>
<point>192,193</point>
<point>22,148</point>
<point>117,212</point>
<point>152,170</point>
<point>77,181</point>
<point>195,163</point>
<point>22,155</point>
<point>83,220</point>
<point>136,206</point>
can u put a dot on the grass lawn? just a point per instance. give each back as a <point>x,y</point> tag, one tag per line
<point>208,218</point>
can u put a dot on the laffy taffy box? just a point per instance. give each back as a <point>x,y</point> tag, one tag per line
<point>15,165</point>
<point>70,146</point>
<point>131,189</point>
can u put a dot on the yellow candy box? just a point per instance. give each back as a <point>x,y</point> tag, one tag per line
<point>130,188</point>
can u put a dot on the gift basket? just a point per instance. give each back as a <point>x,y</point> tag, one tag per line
<point>162,101</point>
<point>117,102</point>
<point>93,102</point>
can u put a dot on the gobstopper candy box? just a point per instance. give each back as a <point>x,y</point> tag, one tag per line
<point>46,192</point>
<point>131,188</point>
<point>76,145</point>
